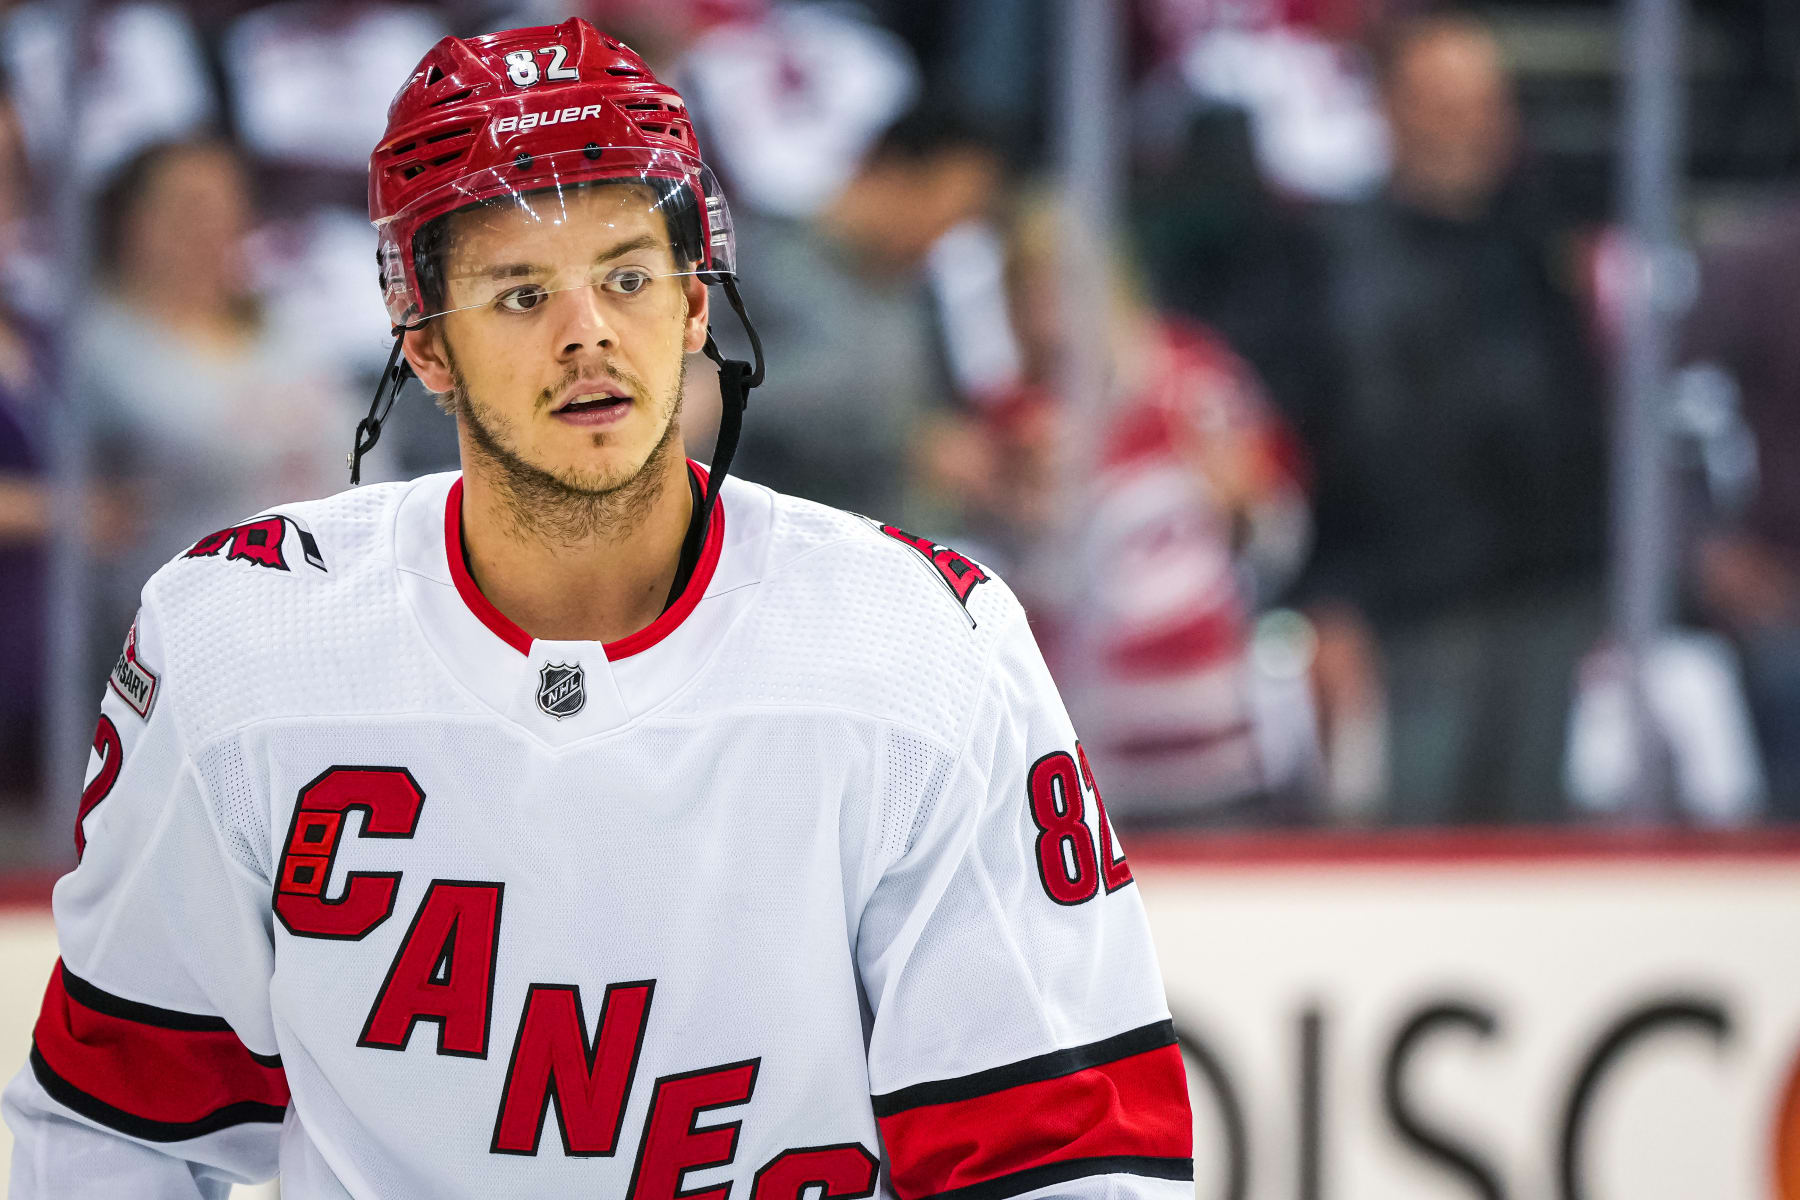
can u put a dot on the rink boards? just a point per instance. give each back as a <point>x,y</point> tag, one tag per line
<point>1460,1016</point>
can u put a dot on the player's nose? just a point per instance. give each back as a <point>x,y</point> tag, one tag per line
<point>586,322</point>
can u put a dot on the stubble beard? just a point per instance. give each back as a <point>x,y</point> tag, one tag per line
<point>543,507</point>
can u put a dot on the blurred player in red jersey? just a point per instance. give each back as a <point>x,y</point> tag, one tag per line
<point>1146,601</point>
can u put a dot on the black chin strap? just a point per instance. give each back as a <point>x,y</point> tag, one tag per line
<point>368,430</point>
<point>736,378</point>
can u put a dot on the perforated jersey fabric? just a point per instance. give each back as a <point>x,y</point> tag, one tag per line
<point>806,884</point>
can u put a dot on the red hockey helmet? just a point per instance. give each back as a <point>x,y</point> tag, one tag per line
<point>512,126</point>
<point>515,120</point>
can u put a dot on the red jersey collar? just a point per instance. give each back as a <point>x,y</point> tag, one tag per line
<point>502,626</point>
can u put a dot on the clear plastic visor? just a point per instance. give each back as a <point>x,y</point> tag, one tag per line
<point>623,224</point>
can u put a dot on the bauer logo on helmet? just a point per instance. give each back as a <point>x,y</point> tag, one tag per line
<point>533,120</point>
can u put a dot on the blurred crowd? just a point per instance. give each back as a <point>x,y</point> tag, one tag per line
<point>1329,542</point>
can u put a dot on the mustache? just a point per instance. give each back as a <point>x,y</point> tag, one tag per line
<point>575,375</point>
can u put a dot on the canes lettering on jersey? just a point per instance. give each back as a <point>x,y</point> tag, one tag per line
<point>674,1142</point>
<point>443,974</point>
<point>844,1172</point>
<point>444,970</point>
<point>553,1059</point>
<point>389,799</point>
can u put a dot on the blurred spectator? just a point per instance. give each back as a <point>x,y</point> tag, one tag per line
<point>1294,67</point>
<point>843,306</point>
<point>306,84</point>
<point>24,508</point>
<point>1748,561</point>
<point>660,30</point>
<point>203,412</point>
<point>1461,461</point>
<point>989,61</point>
<point>1143,600</point>
<point>791,98</point>
<point>143,77</point>
<point>309,83</point>
<point>1222,248</point>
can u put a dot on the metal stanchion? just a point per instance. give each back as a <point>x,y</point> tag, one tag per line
<point>1092,161</point>
<point>70,682</point>
<point>1090,157</point>
<point>1657,284</point>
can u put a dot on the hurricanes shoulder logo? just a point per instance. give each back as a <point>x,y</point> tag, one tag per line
<point>264,542</point>
<point>561,692</point>
<point>958,572</point>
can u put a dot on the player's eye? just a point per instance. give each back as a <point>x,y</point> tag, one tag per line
<point>522,299</point>
<point>628,281</point>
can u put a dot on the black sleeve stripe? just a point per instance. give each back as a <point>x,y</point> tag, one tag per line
<point>101,1113</point>
<point>1053,1065</point>
<point>102,1001</point>
<point>1032,1178</point>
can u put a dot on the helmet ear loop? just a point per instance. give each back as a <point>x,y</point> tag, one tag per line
<point>736,378</point>
<point>393,378</point>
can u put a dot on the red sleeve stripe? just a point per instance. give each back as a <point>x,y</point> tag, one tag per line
<point>149,1072</point>
<point>1027,1070</point>
<point>1020,1182</point>
<point>1116,1106</point>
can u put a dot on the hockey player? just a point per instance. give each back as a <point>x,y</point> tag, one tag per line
<point>586,823</point>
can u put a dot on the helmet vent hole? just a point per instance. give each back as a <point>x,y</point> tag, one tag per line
<point>447,135</point>
<point>432,76</point>
<point>628,72</point>
<point>444,159</point>
<point>453,97</point>
<point>397,151</point>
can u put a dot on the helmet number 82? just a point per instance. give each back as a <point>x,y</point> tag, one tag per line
<point>522,66</point>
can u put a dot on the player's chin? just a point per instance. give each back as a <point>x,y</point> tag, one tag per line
<point>603,460</point>
<point>601,469</point>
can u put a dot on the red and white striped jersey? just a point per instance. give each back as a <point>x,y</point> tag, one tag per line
<point>804,890</point>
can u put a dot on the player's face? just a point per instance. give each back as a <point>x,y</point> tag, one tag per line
<point>568,332</point>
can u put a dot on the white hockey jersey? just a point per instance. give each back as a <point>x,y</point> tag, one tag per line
<point>803,891</point>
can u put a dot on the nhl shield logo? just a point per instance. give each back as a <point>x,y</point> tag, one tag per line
<point>560,690</point>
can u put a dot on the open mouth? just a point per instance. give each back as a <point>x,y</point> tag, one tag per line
<point>593,403</point>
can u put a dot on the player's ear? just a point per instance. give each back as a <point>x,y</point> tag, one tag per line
<point>425,350</point>
<point>694,328</point>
